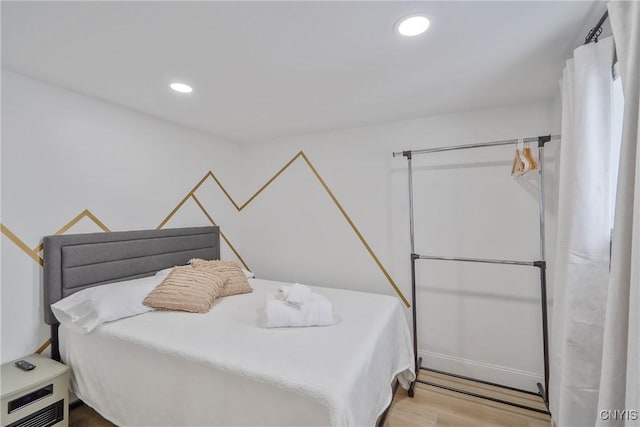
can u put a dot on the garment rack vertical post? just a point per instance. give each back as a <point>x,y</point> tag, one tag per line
<point>543,390</point>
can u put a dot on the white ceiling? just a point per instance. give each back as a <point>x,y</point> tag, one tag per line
<point>267,69</point>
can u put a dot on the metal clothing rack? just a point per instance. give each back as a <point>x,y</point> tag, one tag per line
<point>543,390</point>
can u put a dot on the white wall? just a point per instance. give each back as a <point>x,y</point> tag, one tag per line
<point>63,152</point>
<point>474,319</point>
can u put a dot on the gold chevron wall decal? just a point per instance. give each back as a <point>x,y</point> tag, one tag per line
<point>43,347</point>
<point>32,253</point>
<point>239,208</point>
<point>224,237</point>
<point>35,252</point>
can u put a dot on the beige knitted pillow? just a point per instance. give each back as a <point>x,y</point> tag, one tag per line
<point>235,283</point>
<point>186,289</point>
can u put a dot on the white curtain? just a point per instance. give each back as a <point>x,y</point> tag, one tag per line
<point>620,379</point>
<point>581,273</point>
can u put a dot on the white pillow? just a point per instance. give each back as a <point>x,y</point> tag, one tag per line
<point>165,272</point>
<point>89,308</point>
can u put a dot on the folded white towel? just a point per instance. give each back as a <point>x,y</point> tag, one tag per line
<point>283,291</point>
<point>321,313</point>
<point>298,295</point>
<point>317,311</point>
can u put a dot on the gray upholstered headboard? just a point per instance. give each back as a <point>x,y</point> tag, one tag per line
<point>77,261</point>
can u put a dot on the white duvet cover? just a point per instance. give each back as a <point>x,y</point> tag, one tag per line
<point>224,368</point>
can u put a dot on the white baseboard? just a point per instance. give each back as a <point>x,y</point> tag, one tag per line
<point>483,371</point>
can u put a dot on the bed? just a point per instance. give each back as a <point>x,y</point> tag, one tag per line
<point>223,367</point>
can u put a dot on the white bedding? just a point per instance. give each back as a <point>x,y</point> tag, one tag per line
<point>225,368</point>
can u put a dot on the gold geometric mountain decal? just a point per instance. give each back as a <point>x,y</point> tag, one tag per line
<point>35,252</point>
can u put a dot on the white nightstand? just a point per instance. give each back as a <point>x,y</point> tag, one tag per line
<point>36,398</point>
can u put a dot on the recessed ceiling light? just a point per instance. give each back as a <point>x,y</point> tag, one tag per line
<point>181,87</point>
<point>412,25</point>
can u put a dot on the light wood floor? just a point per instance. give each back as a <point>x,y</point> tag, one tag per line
<point>430,406</point>
<point>433,406</point>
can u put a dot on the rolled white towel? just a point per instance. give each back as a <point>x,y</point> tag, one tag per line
<point>283,291</point>
<point>298,295</point>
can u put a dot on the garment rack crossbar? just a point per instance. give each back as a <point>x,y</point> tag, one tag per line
<point>480,260</point>
<point>537,140</point>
